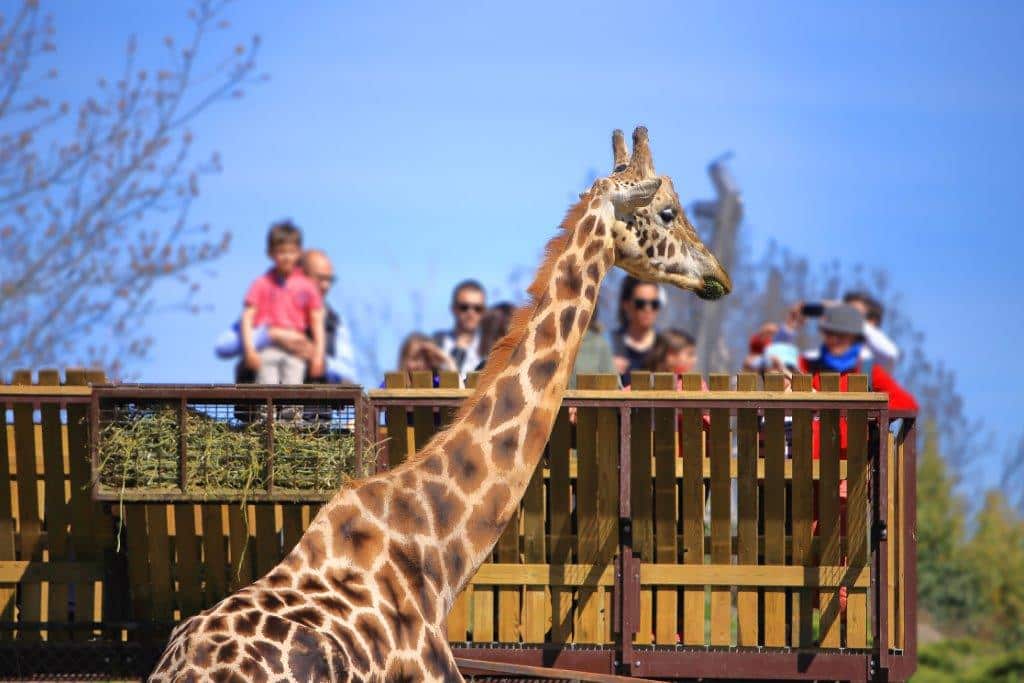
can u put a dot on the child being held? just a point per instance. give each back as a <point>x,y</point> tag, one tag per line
<point>283,298</point>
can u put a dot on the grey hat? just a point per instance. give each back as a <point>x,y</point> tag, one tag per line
<point>842,319</point>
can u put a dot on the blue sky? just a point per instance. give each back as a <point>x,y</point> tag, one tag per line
<point>423,142</point>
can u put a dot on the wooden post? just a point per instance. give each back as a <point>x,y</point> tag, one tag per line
<point>7,591</point>
<point>828,513</point>
<point>857,514</point>
<point>721,517</point>
<point>642,499</point>
<point>747,503</point>
<point>692,439</point>
<point>803,514</point>
<point>55,502</point>
<point>397,422</point>
<point>560,511</point>
<point>774,514</point>
<point>28,506</point>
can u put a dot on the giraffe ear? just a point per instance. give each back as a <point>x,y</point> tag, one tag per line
<point>620,154</point>
<point>634,196</point>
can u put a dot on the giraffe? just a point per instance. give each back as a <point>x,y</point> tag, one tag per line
<point>364,593</point>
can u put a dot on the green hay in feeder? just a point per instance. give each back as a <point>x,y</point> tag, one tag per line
<point>138,451</point>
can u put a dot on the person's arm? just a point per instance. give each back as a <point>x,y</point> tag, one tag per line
<point>252,357</point>
<point>899,398</point>
<point>316,323</point>
<point>885,349</point>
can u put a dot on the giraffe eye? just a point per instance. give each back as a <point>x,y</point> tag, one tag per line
<point>667,215</point>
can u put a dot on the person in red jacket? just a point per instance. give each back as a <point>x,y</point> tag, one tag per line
<point>842,336</point>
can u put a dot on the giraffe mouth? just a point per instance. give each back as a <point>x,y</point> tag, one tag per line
<point>713,289</point>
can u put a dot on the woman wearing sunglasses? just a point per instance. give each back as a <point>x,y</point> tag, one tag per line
<point>639,305</point>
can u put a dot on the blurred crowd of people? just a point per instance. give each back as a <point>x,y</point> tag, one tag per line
<point>288,334</point>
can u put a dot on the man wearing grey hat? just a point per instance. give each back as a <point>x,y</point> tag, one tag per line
<point>842,331</point>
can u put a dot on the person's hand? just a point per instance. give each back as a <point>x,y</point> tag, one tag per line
<point>252,360</point>
<point>794,318</point>
<point>292,341</point>
<point>436,358</point>
<point>316,367</point>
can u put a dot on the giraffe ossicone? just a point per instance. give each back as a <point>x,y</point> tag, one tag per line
<point>364,594</point>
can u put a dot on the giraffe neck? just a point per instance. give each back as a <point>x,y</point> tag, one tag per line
<point>475,473</point>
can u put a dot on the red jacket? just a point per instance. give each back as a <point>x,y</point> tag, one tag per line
<point>899,398</point>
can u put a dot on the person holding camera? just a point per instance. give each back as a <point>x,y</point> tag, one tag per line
<point>876,345</point>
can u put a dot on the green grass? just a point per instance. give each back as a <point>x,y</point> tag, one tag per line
<point>968,660</point>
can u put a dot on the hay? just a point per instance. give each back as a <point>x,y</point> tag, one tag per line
<point>138,451</point>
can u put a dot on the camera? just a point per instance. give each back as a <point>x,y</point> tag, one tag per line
<point>812,309</point>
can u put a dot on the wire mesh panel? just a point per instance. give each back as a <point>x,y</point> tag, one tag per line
<point>226,443</point>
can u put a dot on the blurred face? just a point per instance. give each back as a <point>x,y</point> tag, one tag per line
<point>468,309</point>
<point>838,344</point>
<point>285,257</point>
<point>319,269</point>
<point>642,309</point>
<point>416,360</point>
<point>682,360</point>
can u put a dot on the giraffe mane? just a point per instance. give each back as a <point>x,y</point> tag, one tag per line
<point>501,352</point>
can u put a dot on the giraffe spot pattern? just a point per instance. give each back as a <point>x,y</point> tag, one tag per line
<point>489,516</point>
<point>565,321</point>
<point>445,507</point>
<point>504,446</point>
<point>466,460</point>
<point>545,335</point>
<point>569,282</point>
<point>354,536</point>
<point>509,400</point>
<point>542,370</point>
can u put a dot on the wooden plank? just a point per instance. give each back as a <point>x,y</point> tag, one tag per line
<point>86,516</point>
<point>108,603</point>
<point>803,514</point>
<point>778,576</point>
<point>857,515</point>
<point>828,513</point>
<point>607,500</point>
<point>893,607</point>
<point>422,418</point>
<point>539,574</point>
<point>162,590</point>
<point>215,561</point>
<point>267,546</point>
<point>54,502</point>
<point>588,535</point>
<point>774,514</point>
<point>138,560</point>
<point>507,551</point>
<point>666,600</point>
<point>46,390</point>
<point>746,513</point>
<point>58,571</point>
<point>721,514</point>
<point>642,498</point>
<point>560,511</point>
<point>692,441</point>
<point>27,511</point>
<point>397,421</point>
<point>458,616</point>
<point>898,527</point>
<point>187,563</point>
<point>7,592</point>
<point>870,399</point>
<point>239,546</point>
<point>291,526</point>
<point>534,551</point>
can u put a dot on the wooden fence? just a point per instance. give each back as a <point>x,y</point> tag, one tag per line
<point>623,530</point>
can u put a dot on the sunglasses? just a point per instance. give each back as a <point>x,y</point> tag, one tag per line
<point>465,308</point>
<point>329,279</point>
<point>641,304</point>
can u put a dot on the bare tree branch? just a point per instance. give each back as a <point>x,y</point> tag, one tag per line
<point>95,200</point>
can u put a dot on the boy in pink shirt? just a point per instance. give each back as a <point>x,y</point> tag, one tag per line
<point>283,297</point>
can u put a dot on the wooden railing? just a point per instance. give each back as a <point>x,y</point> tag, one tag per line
<point>667,533</point>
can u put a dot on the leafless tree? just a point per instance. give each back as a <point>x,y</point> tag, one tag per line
<point>95,197</point>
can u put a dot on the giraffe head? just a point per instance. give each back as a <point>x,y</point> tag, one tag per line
<point>654,240</point>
